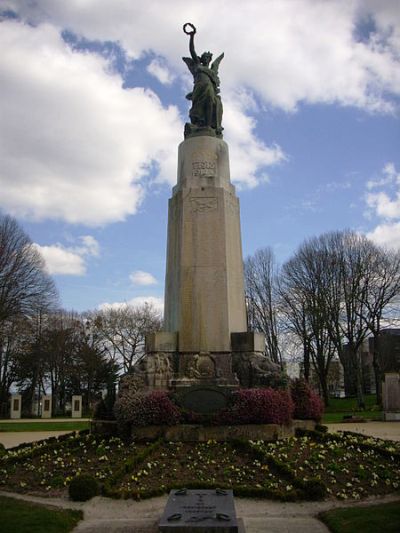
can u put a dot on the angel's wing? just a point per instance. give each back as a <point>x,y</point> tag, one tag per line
<point>216,63</point>
<point>190,64</point>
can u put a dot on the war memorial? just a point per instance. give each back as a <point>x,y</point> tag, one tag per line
<point>205,415</point>
<point>205,350</point>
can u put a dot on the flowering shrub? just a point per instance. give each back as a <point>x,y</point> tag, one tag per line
<point>143,409</point>
<point>257,406</point>
<point>307,404</point>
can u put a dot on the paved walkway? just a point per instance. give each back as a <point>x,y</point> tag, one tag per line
<point>105,515</point>
<point>13,438</point>
<point>382,430</point>
<point>43,420</point>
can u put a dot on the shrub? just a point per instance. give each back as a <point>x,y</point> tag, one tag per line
<point>307,404</point>
<point>103,411</point>
<point>83,488</point>
<point>2,449</point>
<point>143,409</point>
<point>257,406</point>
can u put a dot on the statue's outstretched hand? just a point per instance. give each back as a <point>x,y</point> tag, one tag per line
<point>191,30</point>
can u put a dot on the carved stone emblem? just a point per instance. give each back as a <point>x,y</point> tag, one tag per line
<point>203,205</point>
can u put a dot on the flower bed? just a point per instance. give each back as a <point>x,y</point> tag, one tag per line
<point>305,467</point>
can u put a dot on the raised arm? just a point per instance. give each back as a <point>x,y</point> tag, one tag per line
<point>190,30</point>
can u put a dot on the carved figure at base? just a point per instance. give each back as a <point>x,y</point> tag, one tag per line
<point>206,111</point>
<point>256,370</point>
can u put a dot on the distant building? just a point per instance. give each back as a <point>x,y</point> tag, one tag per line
<point>388,352</point>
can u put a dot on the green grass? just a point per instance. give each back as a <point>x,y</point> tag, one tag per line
<point>344,405</point>
<point>43,426</point>
<point>337,418</point>
<point>22,517</point>
<point>348,406</point>
<point>384,517</point>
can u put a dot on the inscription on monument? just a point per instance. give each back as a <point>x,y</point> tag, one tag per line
<point>204,510</point>
<point>204,165</point>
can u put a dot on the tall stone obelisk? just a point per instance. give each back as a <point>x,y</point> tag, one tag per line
<point>204,294</point>
<point>205,313</point>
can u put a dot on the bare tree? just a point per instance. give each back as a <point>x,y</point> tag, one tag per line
<point>24,284</point>
<point>260,272</point>
<point>122,331</point>
<point>336,289</point>
<point>304,286</point>
<point>12,335</point>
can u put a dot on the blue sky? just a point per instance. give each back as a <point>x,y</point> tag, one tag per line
<point>92,111</point>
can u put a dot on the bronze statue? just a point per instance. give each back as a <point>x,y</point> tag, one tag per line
<point>206,111</point>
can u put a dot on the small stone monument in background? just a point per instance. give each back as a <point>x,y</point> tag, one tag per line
<point>76,408</point>
<point>16,406</point>
<point>391,396</point>
<point>46,406</point>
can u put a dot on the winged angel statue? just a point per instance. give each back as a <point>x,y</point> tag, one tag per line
<point>206,110</point>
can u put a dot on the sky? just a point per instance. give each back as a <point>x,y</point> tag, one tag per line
<point>92,110</point>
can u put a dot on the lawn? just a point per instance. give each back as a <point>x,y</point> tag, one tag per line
<point>384,517</point>
<point>311,466</point>
<point>23,517</point>
<point>340,407</point>
<point>43,426</point>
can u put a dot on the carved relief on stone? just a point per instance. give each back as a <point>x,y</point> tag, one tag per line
<point>203,205</point>
<point>201,366</point>
<point>256,370</point>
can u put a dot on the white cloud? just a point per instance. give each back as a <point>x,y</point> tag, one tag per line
<point>138,301</point>
<point>160,71</point>
<point>390,175</point>
<point>387,235</point>
<point>381,202</point>
<point>60,259</point>
<point>248,154</point>
<point>287,52</point>
<point>74,144</point>
<point>139,277</point>
<point>387,207</point>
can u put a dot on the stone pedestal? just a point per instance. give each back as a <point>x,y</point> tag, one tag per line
<point>16,406</point>
<point>391,396</point>
<point>46,406</point>
<point>76,407</point>
<point>204,289</point>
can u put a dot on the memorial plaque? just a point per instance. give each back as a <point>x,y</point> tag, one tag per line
<point>204,399</point>
<point>211,511</point>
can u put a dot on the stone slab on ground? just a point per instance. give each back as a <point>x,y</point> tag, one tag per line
<point>199,510</point>
<point>381,430</point>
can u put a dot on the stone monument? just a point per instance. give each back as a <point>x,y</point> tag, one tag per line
<point>46,406</point>
<point>391,396</point>
<point>16,406</point>
<point>205,341</point>
<point>76,406</point>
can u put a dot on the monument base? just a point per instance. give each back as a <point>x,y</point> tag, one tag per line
<point>166,367</point>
